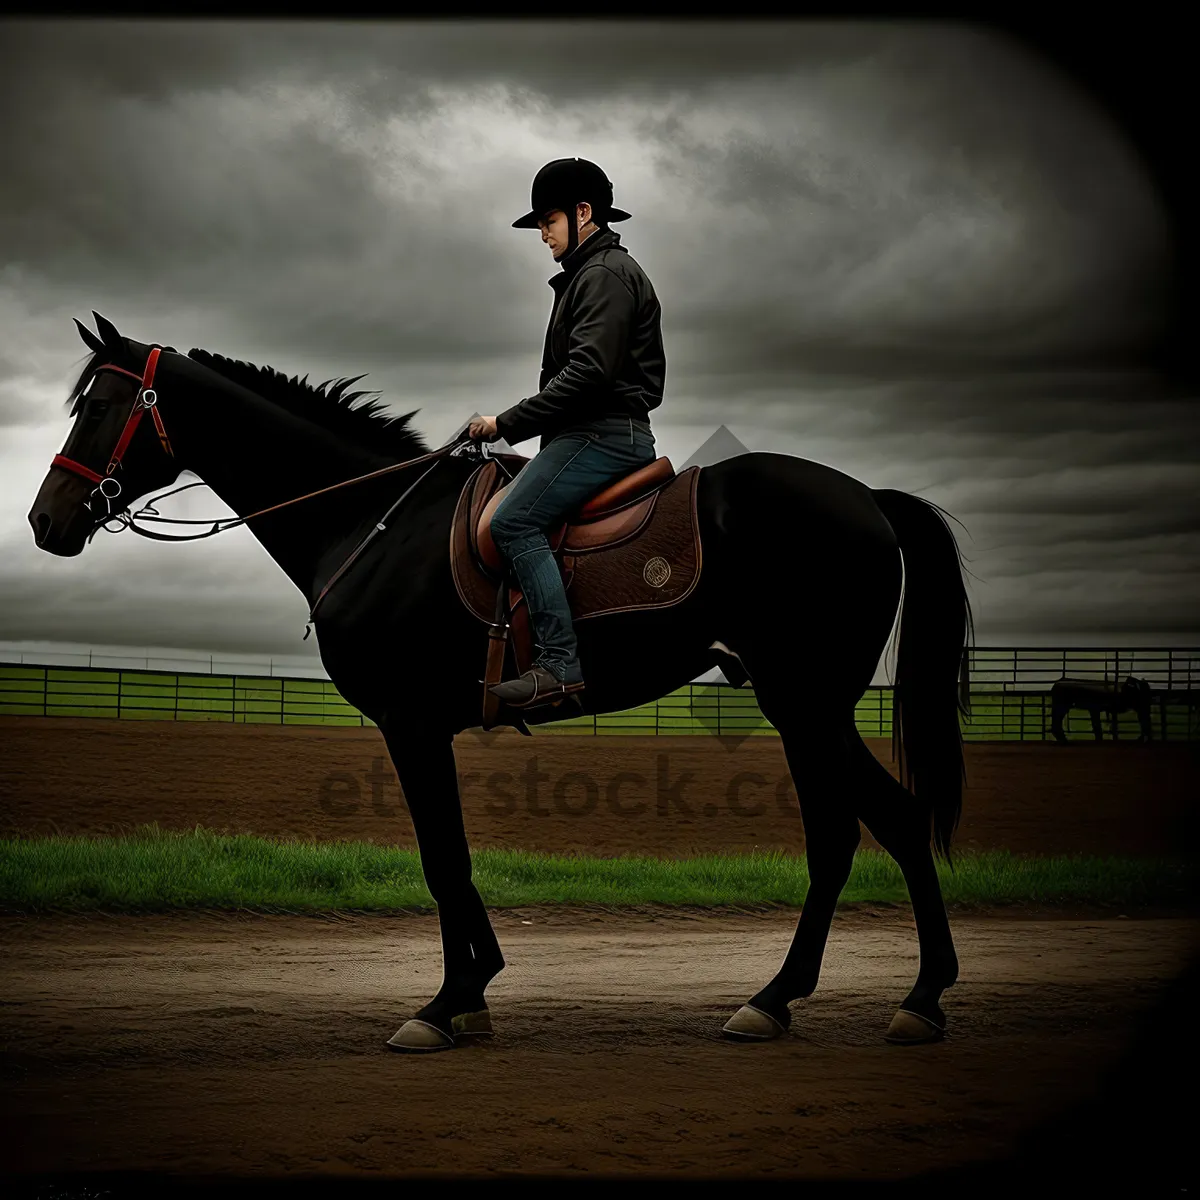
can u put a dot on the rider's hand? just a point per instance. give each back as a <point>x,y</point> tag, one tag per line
<point>483,429</point>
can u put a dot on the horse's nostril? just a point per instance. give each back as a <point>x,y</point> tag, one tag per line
<point>41,527</point>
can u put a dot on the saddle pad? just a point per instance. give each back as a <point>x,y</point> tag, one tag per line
<point>653,560</point>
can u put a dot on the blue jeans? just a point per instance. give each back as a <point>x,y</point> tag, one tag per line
<point>555,483</point>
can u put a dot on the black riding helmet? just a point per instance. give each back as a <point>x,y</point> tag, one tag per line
<point>564,184</point>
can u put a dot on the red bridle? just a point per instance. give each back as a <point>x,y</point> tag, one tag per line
<point>145,401</point>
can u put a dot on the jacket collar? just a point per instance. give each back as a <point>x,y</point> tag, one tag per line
<point>602,239</point>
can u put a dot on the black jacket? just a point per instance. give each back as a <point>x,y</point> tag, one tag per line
<point>603,355</point>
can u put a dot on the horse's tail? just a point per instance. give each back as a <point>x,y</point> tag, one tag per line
<point>932,667</point>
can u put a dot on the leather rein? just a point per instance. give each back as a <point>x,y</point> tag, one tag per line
<point>108,487</point>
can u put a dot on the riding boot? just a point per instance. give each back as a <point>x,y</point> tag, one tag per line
<point>537,687</point>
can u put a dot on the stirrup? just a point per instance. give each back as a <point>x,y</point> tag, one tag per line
<point>552,697</point>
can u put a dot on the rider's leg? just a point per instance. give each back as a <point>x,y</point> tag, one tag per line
<point>555,483</point>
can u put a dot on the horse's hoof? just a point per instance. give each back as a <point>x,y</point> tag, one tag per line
<point>752,1025</point>
<point>420,1037</point>
<point>910,1029</point>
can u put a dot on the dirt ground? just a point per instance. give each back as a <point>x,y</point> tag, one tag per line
<point>663,796</point>
<point>252,1046</point>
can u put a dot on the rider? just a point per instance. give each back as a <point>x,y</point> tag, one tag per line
<point>603,369</point>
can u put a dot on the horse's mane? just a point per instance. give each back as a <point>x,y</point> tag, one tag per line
<point>326,404</point>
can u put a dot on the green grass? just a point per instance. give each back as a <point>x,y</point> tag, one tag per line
<point>155,870</point>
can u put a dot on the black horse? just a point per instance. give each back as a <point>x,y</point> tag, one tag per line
<point>1100,697</point>
<point>802,575</point>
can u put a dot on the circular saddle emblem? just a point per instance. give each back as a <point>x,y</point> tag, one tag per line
<point>656,572</point>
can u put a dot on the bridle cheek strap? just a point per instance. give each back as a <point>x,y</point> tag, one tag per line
<point>145,400</point>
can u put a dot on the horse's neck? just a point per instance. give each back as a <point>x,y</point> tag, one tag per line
<point>254,454</point>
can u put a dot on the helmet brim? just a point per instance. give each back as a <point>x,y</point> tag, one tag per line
<point>530,219</point>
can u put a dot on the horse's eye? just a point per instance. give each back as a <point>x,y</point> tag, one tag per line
<point>95,411</point>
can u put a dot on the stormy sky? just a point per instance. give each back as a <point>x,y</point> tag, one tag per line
<point>915,252</point>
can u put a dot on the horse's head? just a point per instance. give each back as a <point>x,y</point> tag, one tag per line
<point>111,455</point>
<point>1136,687</point>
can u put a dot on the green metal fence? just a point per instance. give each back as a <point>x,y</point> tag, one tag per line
<point>1010,699</point>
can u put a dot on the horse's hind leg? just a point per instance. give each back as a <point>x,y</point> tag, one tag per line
<point>900,824</point>
<point>820,764</point>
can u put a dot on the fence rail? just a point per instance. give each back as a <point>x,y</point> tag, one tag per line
<point>1010,698</point>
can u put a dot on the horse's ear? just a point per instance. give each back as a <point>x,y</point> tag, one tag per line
<point>90,340</point>
<point>107,330</point>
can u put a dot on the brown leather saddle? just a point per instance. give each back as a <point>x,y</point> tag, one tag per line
<point>634,545</point>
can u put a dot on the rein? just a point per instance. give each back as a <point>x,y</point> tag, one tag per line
<point>145,401</point>
<point>149,513</point>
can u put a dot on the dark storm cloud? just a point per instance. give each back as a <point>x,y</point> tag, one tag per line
<point>944,201</point>
<point>280,222</point>
<point>199,603</point>
<point>836,200</point>
<point>907,250</point>
<point>392,61</point>
<point>1115,491</point>
<point>1023,423</point>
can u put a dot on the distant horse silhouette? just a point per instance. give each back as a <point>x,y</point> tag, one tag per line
<point>1098,697</point>
<point>802,578</point>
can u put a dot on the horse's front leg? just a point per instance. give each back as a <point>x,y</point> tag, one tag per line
<point>424,761</point>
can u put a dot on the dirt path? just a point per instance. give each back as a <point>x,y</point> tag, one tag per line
<point>665,796</point>
<point>254,1045</point>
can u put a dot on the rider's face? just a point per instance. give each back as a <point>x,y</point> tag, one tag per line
<point>555,230</point>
